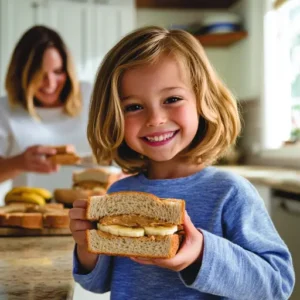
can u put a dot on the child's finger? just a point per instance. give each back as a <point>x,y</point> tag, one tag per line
<point>80,225</point>
<point>80,203</point>
<point>77,213</point>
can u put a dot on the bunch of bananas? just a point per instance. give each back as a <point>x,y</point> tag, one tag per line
<point>28,194</point>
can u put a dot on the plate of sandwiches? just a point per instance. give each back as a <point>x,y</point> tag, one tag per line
<point>29,212</point>
<point>135,224</point>
<point>87,183</point>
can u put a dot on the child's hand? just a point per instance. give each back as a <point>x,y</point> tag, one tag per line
<point>189,253</point>
<point>78,222</point>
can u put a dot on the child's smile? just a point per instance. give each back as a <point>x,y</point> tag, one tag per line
<point>160,138</point>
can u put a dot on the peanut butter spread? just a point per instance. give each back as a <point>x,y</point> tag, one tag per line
<point>132,221</point>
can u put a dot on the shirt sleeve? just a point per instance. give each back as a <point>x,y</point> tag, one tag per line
<point>5,136</point>
<point>98,280</point>
<point>250,261</point>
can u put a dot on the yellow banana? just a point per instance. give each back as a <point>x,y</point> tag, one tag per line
<point>24,197</point>
<point>39,191</point>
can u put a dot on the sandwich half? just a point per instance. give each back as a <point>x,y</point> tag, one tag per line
<point>135,224</point>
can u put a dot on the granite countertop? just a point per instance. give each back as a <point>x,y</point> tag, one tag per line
<point>284,179</point>
<point>36,268</point>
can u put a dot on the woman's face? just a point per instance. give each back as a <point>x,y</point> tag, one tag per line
<point>53,79</point>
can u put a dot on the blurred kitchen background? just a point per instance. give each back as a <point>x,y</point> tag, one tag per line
<point>253,44</point>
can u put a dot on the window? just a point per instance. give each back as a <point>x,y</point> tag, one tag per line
<point>282,75</point>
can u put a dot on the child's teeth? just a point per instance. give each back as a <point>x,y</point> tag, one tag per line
<point>160,138</point>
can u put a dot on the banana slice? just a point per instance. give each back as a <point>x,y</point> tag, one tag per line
<point>160,230</point>
<point>122,230</point>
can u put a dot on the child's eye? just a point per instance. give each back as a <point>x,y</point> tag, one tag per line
<point>132,107</point>
<point>173,100</point>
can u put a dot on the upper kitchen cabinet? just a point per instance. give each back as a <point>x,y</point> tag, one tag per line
<point>89,28</point>
<point>246,63</point>
<point>15,18</point>
<point>203,4</point>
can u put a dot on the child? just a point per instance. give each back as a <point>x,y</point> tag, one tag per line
<point>159,110</point>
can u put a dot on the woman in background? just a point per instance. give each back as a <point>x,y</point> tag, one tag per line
<point>45,106</point>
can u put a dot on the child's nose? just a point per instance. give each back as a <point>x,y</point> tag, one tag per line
<point>156,118</point>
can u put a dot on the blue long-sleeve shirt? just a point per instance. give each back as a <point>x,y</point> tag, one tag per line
<point>244,257</point>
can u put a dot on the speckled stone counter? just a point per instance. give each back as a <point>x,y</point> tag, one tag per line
<point>284,179</point>
<point>36,268</point>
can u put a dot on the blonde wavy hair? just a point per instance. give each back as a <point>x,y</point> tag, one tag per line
<point>219,122</point>
<point>24,72</point>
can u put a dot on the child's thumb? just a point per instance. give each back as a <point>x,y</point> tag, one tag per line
<point>189,227</point>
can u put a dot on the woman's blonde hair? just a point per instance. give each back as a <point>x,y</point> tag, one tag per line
<point>219,122</point>
<point>24,71</point>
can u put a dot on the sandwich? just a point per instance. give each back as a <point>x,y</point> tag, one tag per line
<point>65,155</point>
<point>94,179</point>
<point>86,183</point>
<point>135,224</point>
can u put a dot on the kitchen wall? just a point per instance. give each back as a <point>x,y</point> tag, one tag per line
<point>220,57</point>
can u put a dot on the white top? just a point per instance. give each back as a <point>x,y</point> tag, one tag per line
<point>18,130</point>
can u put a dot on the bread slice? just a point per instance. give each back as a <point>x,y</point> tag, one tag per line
<point>24,220</point>
<point>65,159</point>
<point>136,203</point>
<point>56,219</point>
<point>152,247</point>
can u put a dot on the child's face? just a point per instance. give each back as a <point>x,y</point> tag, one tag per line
<point>160,111</point>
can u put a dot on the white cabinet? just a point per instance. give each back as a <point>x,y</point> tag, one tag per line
<point>89,28</point>
<point>245,73</point>
<point>14,20</point>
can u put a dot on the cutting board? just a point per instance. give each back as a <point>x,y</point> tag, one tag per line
<point>14,231</point>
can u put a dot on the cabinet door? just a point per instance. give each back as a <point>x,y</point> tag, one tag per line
<point>109,24</point>
<point>88,29</point>
<point>15,18</point>
<point>70,20</point>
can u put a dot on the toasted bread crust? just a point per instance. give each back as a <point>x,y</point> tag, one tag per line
<point>175,242</point>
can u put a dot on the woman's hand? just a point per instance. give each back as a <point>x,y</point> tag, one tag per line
<point>189,253</point>
<point>33,159</point>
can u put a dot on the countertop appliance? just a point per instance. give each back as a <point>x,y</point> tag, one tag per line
<point>285,213</point>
